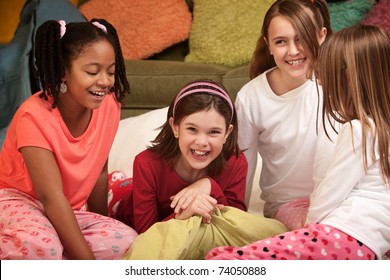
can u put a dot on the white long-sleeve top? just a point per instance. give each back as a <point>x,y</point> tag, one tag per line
<point>348,198</point>
<point>283,130</point>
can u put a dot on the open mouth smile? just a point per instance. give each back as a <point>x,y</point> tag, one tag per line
<point>296,62</point>
<point>199,153</point>
<point>98,93</point>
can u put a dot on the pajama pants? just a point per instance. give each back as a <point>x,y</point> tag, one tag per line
<point>26,232</point>
<point>293,214</point>
<point>313,242</point>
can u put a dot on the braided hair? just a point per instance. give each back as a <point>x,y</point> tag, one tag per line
<point>55,49</point>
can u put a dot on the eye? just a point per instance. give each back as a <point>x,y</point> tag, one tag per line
<point>191,129</point>
<point>280,42</point>
<point>91,73</point>
<point>215,132</point>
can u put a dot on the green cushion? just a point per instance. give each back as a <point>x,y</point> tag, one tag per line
<point>347,13</point>
<point>225,31</point>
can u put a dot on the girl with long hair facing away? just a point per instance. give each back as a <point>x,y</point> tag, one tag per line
<point>349,211</point>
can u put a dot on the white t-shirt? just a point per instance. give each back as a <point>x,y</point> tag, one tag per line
<point>283,130</point>
<point>348,198</point>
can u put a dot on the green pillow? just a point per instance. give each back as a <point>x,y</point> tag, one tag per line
<point>347,13</point>
<point>226,31</point>
<point>191,239</point>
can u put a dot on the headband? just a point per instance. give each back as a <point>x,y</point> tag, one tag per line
<point>203,87</point>
<point>63,27</point>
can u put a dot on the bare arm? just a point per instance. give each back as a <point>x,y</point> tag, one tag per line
<point>98,201</point>
<point>47,182</point>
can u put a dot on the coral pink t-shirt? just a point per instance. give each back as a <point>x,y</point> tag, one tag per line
<point>80,159</point>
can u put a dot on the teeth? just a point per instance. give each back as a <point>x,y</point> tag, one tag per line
<point>295,62</point>
<point>199,153</point>
<point>98,93</point>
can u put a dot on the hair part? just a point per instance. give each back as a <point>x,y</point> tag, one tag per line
<point>307,24</point>
<point>354,69</point>
<point>54,54</point>
<point>166,144</point>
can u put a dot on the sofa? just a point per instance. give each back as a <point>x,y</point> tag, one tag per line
<point>216,41</point>
<point>155,79</point>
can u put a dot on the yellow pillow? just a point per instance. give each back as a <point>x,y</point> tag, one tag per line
<point>226,31</point>
<point>191,239</point>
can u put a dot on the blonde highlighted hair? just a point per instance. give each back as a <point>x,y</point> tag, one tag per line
<point>354,70</point>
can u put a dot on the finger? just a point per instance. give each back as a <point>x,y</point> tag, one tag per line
<point>220,206</point>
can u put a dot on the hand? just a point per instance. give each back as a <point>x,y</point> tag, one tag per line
<point>203,205</point>
<point>186,196</point>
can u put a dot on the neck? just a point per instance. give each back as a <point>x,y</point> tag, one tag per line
<point>75,119</point>
<point>187,173</point>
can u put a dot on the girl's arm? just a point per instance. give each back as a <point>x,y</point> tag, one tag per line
<point>47,182</point>
<point>232,185</point>
<point>248,137</point>
<point>98,199</point>
<point>345,170</point>
<point>145,208</point>
<point>230,191</point>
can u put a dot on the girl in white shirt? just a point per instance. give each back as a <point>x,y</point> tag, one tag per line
<point>349,211</point>
<point>278,109</point>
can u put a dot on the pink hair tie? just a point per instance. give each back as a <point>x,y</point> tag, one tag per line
<point>62,28</point>
<point>99,25</point>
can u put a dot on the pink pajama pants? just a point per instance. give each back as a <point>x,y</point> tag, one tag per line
<point>26,233</point>
<point>293,214</point>
<point>313,242</point>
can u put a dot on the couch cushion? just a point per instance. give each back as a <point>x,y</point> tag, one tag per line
<point>145,27</point>
<point>347,13</point>
<point>155,83</point>
<point>379,15</point>
<point>225,31</point>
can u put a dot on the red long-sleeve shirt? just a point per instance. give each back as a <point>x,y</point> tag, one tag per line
<point>155,182</point>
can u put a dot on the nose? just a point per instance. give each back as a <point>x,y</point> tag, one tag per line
<point>104,80</point>
<point>201,139</point>
<point>293,49</point>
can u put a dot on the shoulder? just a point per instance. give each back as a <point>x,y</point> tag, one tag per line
<point>235,162</point>
<point>253,89</point>
<point>147,157</point>
<point>110,103</point>
<point>36,107</point>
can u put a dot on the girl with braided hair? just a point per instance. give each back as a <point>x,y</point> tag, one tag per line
<point>53,175</point>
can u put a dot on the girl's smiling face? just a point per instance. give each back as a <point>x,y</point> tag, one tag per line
<point>286,48</point>
<point>90,76</point>
<point>201,136</point>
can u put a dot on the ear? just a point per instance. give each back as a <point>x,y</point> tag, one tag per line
<point>228,131</point>
<point>175,128</point>
<point>323,35</point>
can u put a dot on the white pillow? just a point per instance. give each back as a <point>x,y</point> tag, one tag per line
<point>133,136</point>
